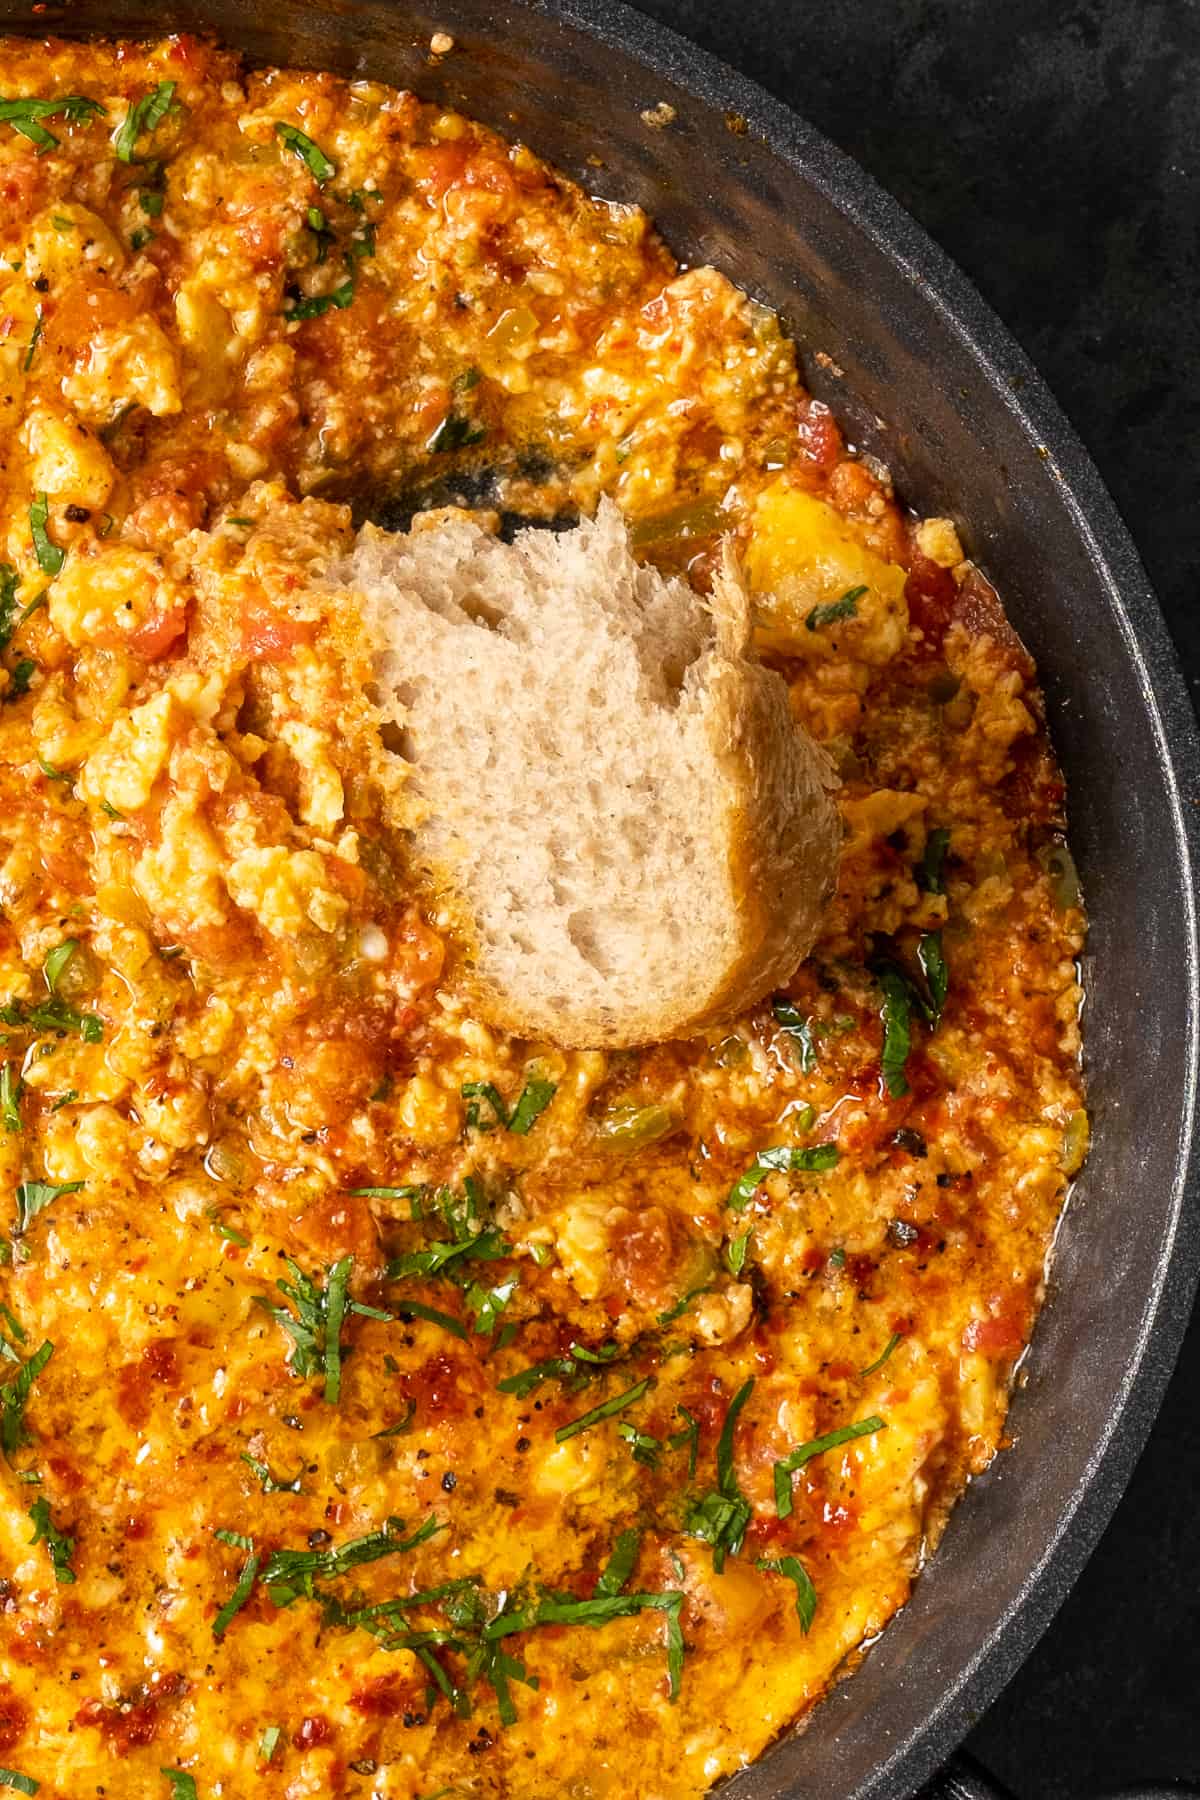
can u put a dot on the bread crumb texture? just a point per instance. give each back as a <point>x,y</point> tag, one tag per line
<point>640,829</point>
<point>393,1401</point>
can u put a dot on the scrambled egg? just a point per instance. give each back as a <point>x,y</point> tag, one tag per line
<point>388,1407</point>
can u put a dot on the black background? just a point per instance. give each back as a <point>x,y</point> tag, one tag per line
<point>1054,151</point>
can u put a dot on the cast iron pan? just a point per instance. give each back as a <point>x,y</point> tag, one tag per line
<point>924,376</point>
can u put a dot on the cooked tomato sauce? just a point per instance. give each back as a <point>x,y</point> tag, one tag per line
<point>391,1407</point>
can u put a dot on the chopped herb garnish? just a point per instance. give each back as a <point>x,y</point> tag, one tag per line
<point>414,1194</point>
<point>780,1157</point>
<point>620,1564</point>
<point>10,581</point>
<point>485,1246</point>
<point>65,1099</point>
<point>932,959</point>
<point>893,1343</point>
<point>13,1398</point>
<point>796,1459</point>
<point>600,1610</point>
<point>456,432</point>
<point>245,1581</point>
<point>248,523</point>
<point>315,1327</point>
<point>57,960</point>
<point>806,1593</point>
<point>846,607</point>
<point>50,557</point>
<point>268,1743</point>
<point>735,1254</point>
<point>929,870</point>
<point>416,1309</point>
<point>151,202</point>
<point>21,677</point>
<point>34,339</point>
<point>897,1031</point>
<point>721,1517</point>
<point>798,1030</point>
<point>54,1015</point>
<point>143,118</point>
<point>227,1231</point>
<point>535,1097</point>
<point>403,1424</point>
<point>11,1087</point>
<point>681,1305</point>
<point>643,1447</point>
<point>290,1574</point>
<point>268,1482</point>
<point>486,1304</point>
<point>607,1409</point>
<point>34,1196</point>
<point>316,305</point>
<point>24,1784</point>
<point>319,166</point>
<point>23,116</point>
<point>140,238</point>
<point>576,1369</point>
<point>183,1787</point>
<point>59,1547</point>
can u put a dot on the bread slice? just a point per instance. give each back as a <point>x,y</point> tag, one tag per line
<point>639,833</point>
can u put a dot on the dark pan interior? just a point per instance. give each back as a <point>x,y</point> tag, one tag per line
<point>933,384</point>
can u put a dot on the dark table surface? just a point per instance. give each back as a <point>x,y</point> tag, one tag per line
<point>1054,150</point>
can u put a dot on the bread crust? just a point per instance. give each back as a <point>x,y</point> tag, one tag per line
<point>754,770</point>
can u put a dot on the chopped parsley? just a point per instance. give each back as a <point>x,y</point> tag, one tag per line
<point>289,1575</point>
<point>11,1087</point>
<point>928,871</point>
<point>721,1516</point>
<point>736,1251</point>
<point>245,1581</point>
<point>897,1031</point>
<point>780,1157</point>
<point>319,166</point>
<point>57,1545</point>
<point>25,115</point>
<point>53,1015</point>
<point>456,432</point>
<point>484,1246</point>
<point>806,1593</point>
<point>798,1029</point>
<point>893,1344</point>
<point>315,1327</point>
<point>34,1196</point>
<point>846,607</point>
<point>20,678</point>
<point>579,1366</point>
<point>142,119</point>
<point>268,1482</point>
<point>183,1786</point>
<point>56,962</point>
<point>486,1304</point>
<point>10,581</point>
<point>50,557</point>
<point>315,305</point>
<point>607,1409</point>
<point>34,340</point>
<point>787,1466</point>
<point>932,959</point>
<point>643,1447</point>
<point>13,1398</point>
<point>534,1098</point>
<point>24,1784</point>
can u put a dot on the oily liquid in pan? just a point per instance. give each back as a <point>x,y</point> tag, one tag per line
<point>542,1345</point>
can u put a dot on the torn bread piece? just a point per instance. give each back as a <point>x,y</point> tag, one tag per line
<point>638,833</point>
